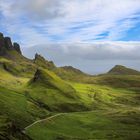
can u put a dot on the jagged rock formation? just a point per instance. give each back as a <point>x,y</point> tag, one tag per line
<point>2,45</point>
<point>6,45</point>
<point>17,47</point>
<point>42,62</point>
<point>39,57</point>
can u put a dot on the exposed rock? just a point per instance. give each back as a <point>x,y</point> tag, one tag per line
<point>17,47</point>
<point>42,62</point>
<point>6,45</point>
<point>2,45</point>
<point>37,56</point>
<point>37,75</point>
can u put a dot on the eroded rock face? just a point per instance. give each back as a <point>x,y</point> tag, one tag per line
<point>6,45</point>
<point>2,45</point>
<point>17,47</point>
<point>39,57</point>
<point>42,62</point>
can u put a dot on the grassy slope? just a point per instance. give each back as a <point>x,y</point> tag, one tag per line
<point>70,73</point>
<point>116,81</point>
<point>114,98</point>
<point>15,107</point>
<point>89,125</point>
<point>53,93</point>
<point>125,81</point>
<point>21,104</point>
<point>116,116</point>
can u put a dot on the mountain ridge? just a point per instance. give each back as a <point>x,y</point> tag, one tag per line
<point>12,51</point>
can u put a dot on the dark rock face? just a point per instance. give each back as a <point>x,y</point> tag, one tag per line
<point>37,56</point>
<point>2,45</point>
<point>6,45</point>
<point>37,75</point>
<point>42,62</point>
<point>17,47</point>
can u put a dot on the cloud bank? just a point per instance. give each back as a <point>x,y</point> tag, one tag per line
<point>92,58</point>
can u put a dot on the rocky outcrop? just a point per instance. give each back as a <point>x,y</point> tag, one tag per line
<point>17,47</point>
<point>6,45</point>
<point>2,45</point>
<point>42,62</point>
<point>39,57</point>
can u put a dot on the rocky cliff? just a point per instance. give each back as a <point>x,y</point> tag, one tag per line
<point>6,45</point>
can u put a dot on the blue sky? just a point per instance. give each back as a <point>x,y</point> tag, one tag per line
<point>112,23</point>
<point>70,21</point>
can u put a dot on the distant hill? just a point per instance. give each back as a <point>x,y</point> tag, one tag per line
<point>122,70</point>
<point>70,73</point>
<point>72,69</point>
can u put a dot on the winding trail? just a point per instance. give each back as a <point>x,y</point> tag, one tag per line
<point>48,118</point>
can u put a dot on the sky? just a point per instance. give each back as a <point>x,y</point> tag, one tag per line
<point>92,35</point>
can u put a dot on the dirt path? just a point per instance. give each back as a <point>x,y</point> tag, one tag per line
<point>49,118</point>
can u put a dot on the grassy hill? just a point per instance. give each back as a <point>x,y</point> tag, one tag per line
<point>65,102</point>
<point>70,73</point>
<point>115,115</point>
<point>55,94</point>
<point>122,70</point>
<point>89,125</point>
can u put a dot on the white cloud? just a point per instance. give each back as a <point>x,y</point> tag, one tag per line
<point>72,21</point>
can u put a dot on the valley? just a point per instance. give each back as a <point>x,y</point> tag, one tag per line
<point>40,101</point>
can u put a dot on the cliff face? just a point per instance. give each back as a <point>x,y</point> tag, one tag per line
<point>7,45</point>
<point>2,45</point>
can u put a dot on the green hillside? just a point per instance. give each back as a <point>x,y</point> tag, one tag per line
<point>115,115</point>
<point>122,70</point>
<point>70,73</point>
<point>40,101</point>
<point>53,93</point>
<point>89,125</point>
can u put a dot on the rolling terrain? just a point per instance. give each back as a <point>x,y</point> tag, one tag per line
<point>40,101</point>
